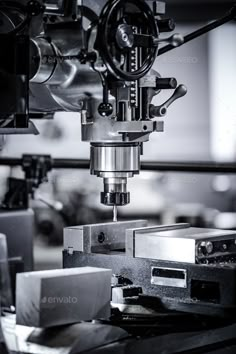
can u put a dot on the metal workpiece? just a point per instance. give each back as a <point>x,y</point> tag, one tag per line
<point>132,234</point>
<point>98,237</point>
<point>182,243</point>
<point>62,296</point>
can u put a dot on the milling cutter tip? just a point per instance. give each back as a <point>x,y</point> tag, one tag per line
<point>115,213</point>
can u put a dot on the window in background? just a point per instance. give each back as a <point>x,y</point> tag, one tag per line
<point>187,125</point>
<point>222,67</point>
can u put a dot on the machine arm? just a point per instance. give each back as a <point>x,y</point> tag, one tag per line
<point>229,16</point>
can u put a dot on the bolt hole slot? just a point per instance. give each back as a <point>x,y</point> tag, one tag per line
<point>101,237</point>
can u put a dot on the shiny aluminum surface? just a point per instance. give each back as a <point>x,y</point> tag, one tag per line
<point>179,243</point>
<point>115,158</point>
<point>41,69</point>
<point>98,237</point>
<point>70,83</point>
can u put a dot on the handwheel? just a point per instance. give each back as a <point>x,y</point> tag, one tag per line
<point>108,43</point>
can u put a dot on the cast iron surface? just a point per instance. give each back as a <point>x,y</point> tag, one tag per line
<point>181,299</point>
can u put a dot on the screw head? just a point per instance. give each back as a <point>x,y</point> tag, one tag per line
<point>125,37</point>
<point>224,246</point>
<point>209,247</point>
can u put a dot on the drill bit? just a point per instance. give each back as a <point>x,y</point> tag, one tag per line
<point>114,213</point>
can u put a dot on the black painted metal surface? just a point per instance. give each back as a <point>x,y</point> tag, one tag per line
<point>223,279</point>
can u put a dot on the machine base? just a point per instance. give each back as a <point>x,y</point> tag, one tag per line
<point>209,289</point>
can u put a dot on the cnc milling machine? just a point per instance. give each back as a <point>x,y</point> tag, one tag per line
<point>96,58</point>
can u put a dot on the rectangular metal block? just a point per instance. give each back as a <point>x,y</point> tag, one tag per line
<point>180,243</point>
<point>133,234</point>
<point>99,237</point>
<point>65,296</point>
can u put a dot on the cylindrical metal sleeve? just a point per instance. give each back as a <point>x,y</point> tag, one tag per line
<point>43,60</point>
<point>115,158</point>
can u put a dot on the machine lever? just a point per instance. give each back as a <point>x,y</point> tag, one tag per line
<point>160,111</point>
<point>175,40</point>
<point>229,16</point>
<point>147,41</point>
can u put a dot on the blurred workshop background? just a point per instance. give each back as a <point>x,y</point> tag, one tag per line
<point>200,127</point>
